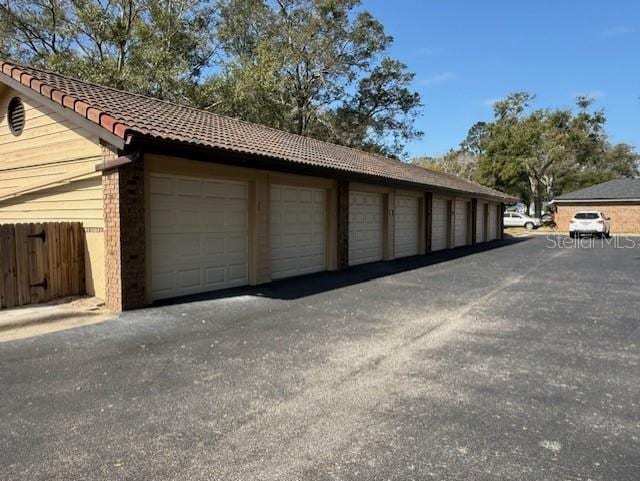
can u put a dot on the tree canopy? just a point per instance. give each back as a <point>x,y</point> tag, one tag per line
<point>158,48</point>
<point>456,162</point>
<point>319,68</point>
<point>539,154</point>
<point>314,67</point>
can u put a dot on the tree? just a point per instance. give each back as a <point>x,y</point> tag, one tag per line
<point>455,162</point>
<point>153,47</point>
<point>314,67</point>
<point>537,155</point>
<point>474,143</point>
<point>616,161</point>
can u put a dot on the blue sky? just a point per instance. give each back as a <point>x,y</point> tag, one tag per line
<point>468,53</point>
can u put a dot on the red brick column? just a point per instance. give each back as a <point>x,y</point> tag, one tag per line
<point>428,220</point>
<point>343,224</point>
<point>474,221</point>
<point>487,206</point>
<point>124,236</point>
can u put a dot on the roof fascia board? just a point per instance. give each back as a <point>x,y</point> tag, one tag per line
<point>117,162</point>
<point>75,117</point>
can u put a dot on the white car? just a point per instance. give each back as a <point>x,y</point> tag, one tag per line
<point>589,223</point>
<point>516,219</point>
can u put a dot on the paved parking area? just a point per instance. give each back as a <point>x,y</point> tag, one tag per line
<point>517,362</point>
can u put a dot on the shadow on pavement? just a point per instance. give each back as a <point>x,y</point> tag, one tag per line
<point>310,284</point>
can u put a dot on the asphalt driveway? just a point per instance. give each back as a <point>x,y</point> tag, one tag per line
<point>515,362</point>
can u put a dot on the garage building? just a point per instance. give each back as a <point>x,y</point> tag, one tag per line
<point>618,199</point>
<point>177,201</point>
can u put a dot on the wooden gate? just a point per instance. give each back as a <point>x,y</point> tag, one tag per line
<point>40,262</point>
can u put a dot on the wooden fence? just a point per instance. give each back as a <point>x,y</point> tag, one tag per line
<point>40,262</point>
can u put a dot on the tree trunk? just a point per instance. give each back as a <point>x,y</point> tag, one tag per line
<point>537,204</point>
<point>300,119</point>
<point>536,195</point>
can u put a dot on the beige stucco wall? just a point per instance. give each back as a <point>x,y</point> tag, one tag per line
<point>47,174</point>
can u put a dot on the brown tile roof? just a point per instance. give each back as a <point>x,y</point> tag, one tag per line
<point>124,114</point>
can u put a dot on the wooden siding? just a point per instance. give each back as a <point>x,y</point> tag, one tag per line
<point>47,158</point>
<point>47,174</point>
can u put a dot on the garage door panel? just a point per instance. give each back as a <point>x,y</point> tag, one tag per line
<point>365,227</point>
<point>406,226</point>
<point>236,246</point>
<point>237,273</point>
<point>189,278</point>
<point>236,219</point>
<point>493,222</point>
<point>188,188</point>
<point>189,219</point>
<point>480,222</point>
<point>161,186</point>
<point>199,235</point>
<point>439,224</point>
<point>217,245</point>
<point>298,231</point>
<point>215,275</point>
<point>461,223</point>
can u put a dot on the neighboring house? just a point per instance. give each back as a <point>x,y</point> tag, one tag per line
<point>176,201</point>
<point>619,199</point>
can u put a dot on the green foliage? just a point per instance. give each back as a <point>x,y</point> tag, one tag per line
<point>540,154</point>
<point>154,47</point>
<point>314,67</point>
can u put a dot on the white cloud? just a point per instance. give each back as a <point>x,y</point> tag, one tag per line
<point>616,31</point>
<point>438,79</point>
<point>592,94</point>
<point>490,102</point>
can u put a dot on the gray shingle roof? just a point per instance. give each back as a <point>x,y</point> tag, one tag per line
<point>122,114</point>
<point>618,189</point>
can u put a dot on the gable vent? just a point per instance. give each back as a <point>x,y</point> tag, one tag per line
<point>15,116</point>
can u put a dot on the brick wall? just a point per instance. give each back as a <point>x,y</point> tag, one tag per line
<point>474,221</point>
<point>124,236</point>
<point>624,218</point>
<point>343,224</point>
<point>428,221</point>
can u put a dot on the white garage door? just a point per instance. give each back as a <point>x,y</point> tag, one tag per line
<point>460,235</point>
<point>406,226</point>
<point>480,222</point>
<point>298,226</point>
<point>365,227</point>
<point>199,239</point>
<point>493,221</point>
<point>439,224</point>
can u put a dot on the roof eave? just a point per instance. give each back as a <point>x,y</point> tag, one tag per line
<point>600,200</point>
<point>31,88</point>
